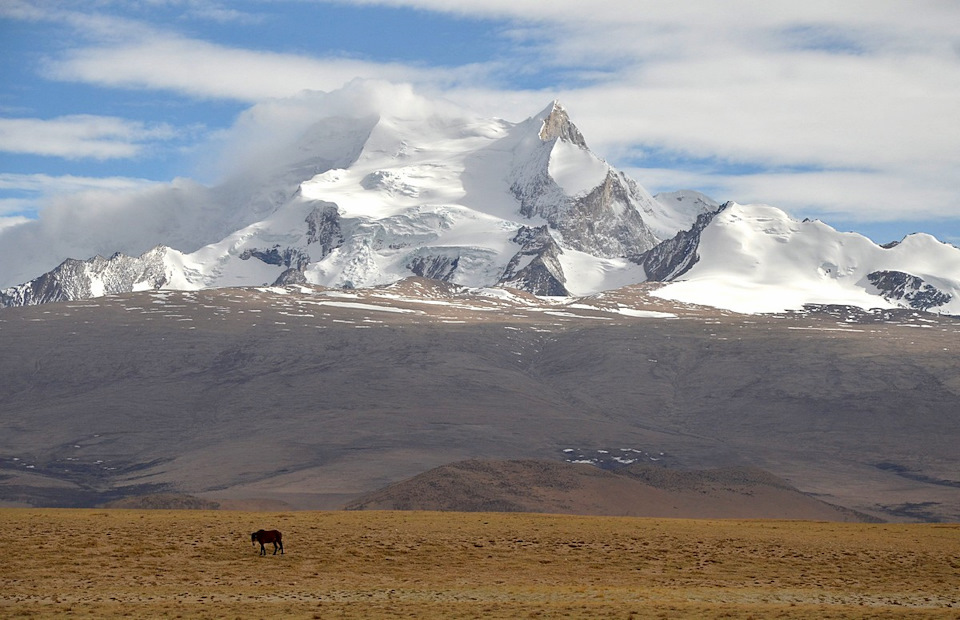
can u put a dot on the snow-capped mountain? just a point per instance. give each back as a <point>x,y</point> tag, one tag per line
<point>374,193</point>
<point>755,258</point>
<point>374,199</point>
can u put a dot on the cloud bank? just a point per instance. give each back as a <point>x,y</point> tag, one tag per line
<point>79,136</point>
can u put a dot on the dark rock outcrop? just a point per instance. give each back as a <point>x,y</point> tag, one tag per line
<point>292,258</point>
<point>290,276</point>
<point>897,286</point>
<point>439,267</point>
<point>674,257</point>
<point>536,267</point>
<point>323,227</point>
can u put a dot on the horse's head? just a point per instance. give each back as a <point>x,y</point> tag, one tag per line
<point>253,537</point>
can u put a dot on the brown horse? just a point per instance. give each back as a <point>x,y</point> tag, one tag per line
<point>266,537</point>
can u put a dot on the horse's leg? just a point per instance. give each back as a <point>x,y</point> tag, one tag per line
<point>281,546</point>
<point>263,550</point>
<point>274,547</point>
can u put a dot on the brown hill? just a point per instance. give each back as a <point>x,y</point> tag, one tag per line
<point>565,488</point>
<point>163,501</point>
<point>312,397</point>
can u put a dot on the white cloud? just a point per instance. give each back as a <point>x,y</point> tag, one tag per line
<point>11,221</point>
<point>264,136</point>
<point>218,12</point>
<point>79,136</point>
<point>806,109</point>
<point>16,206</point>
<point>206,70</point>
<point>48,185</point>
<point>24,196</point>
<point>118,52</point>
<point>686,15</point>
<point>856,196</point>
<point>122,215</point>
<point>32,193</point>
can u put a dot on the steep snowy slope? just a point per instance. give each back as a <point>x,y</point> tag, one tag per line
<point>755,258</point>
<point>675,211</point>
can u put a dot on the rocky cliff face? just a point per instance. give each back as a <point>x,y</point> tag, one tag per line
<point>536,267</point>
<point>323,227</point>
<point>911,290</point>
<point>557,126</point>
<point>434,266</point>
<point>605,219</point>
<point>674,257</point>
<point>76,279</point>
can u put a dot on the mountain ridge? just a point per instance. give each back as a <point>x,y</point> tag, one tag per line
<point>387,184</point>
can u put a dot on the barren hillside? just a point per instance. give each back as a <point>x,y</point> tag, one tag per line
<point>315,397</point>
<point>636,491</point>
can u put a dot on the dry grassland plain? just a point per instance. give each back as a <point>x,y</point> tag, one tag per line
<point>200,564</point>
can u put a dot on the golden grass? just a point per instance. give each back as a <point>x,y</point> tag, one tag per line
<point>109,563</point>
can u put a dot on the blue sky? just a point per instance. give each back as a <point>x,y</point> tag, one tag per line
<point>849,112</point>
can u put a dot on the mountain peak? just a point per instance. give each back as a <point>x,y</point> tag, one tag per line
<point>374,183</point>
<point>557,124</point>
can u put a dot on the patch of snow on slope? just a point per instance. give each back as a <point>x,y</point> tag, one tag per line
<point>587,274</point>
<point>501,294</point>
<point>670,212</point>
<point>362,306</point>
<point>576,170</point>
<point>645,314</point>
